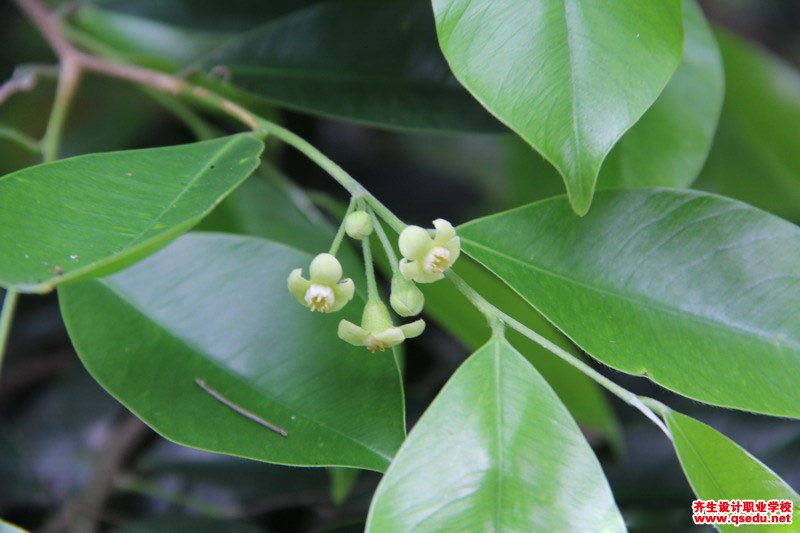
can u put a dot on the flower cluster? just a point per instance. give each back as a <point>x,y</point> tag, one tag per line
<point>427,254</point>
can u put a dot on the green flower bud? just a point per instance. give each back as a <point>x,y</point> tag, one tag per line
<point>406,298</point>
<point>377,332</point>
<point>326,291</point>
<point>358,225</point>
<point>425,259</point>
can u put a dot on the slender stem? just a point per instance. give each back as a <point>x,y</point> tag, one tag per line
<point>337,240</point>
<point>338,173</point>
<point>24,141</point>
<point>6,318</point>
<point>387,246</point>
<point>490,310</point>
<point>372,286</point>
<point>25,78</point>
<point>68,80</point>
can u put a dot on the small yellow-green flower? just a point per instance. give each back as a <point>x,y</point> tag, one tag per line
<point>326,291</point>
<point>424,258</point>
<point>358,225</point>
<point>377,332</point>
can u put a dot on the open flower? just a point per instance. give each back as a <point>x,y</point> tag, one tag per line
<point>424,258</point>
<point>326,291</point>
<point>377,332</point>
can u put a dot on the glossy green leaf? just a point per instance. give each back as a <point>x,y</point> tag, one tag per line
<point>146,41</point>
<point>718,468</point>
<point>755,156</point>
<point>670,143</point>
<point>216,307</point>
<point>376,63</point>
<point>94,214</point>
<point>569,77</point>
<point>697,291</point>
<point>495,451</point>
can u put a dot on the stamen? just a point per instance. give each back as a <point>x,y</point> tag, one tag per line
<point>437,260</point>
<point>320,297</point>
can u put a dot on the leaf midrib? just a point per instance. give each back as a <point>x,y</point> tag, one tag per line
<point>654,305</point>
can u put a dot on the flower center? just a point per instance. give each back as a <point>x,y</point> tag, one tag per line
<point>437,260</point>
<point>319,297</point>
<point>375,345</point>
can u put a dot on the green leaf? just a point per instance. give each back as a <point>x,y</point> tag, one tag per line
<point>495,451</point>
<point>755,156</point>
<point>92,215</point>
<point>697,291</point>
<point>569,77</point>
<point>718,468</point>
<point>376,63</point>
<point>216,307</point>
<point>669,145</point>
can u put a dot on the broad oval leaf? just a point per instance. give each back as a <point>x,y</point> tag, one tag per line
<point>92,215</point>
<point>570,77</point>
<point>697,291</point>
<point>215,307</point>
<point>755,157</point>
<point>719,469</point>
<point>376,63</point>
<point>670,143</point>
<point>495,451</point>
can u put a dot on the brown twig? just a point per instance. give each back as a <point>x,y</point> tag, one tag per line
<point>81,514</point>
<point>49,26</point>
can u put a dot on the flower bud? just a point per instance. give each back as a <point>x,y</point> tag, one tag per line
<point>358,225</point>
<point>406,298</point>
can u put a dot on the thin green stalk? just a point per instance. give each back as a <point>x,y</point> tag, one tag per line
<point>372,286</point>
<point>6,318</point>
<point>24,141</point>
<point>337,240</point>
<point>338,173</point>
<point>387,246</point>
<point>68,80</point>
<point>491,311</point>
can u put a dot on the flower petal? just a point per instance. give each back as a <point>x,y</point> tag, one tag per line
<point>389,337</point>
<point>351,333</point>
<point>343,291</point>
<point>298,285</point>
<point>454,247</point>
<point>414,329</point>
<point>410,269</point>
<point>414,242</point>
<point>428,277</point>
<point>444,231</point>
<point>325,269</point>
